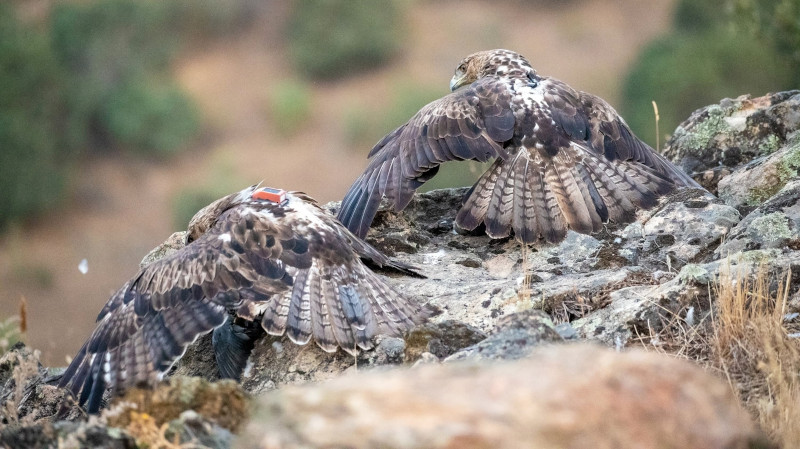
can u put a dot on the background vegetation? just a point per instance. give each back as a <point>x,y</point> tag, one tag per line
<point>331,39</point>
<point>94,78</point>
<point>31,91</point>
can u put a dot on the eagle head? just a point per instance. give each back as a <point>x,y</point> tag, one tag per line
<point>497,62</point>
<point>205,218</point>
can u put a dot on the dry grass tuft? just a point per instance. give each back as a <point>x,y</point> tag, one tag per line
<point>25,368</point>
<point>753,348</point>
<point>744,339</point>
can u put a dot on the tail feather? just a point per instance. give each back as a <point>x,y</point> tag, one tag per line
<point>476,205</point>
<point>298,324</point>
<point>526,227</point>
<point>568,193</point>
<point>501,207</point>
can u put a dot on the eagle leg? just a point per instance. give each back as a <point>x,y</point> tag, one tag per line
<point>233,342</point>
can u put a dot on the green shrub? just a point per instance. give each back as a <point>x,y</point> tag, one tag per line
<point>290,106</point>
<point>684,71</point>
<point>698,16</point>
<point>775,22</point>
<point>407,100</point>
<point>32,161</point>
<point>108,48</point>
<point>149,117</point>
<point>337,38</point>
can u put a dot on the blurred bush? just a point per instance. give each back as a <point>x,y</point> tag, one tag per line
<point>109,48</point>
<point>194,20</point>
<point>219,180</point>
<point>96,76</point>
<point>700,62</point>
<point>776,22</point>
<point>335,38</point>
<point>289,106</point>
<point>150,117</point>
<point>33,161</point>
<point>189,201</point>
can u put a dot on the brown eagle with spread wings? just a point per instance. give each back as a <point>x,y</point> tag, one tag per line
<point>259,252</point>
<point>564,159</point>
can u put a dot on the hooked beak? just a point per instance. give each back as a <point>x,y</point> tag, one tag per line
<point>456,82</point>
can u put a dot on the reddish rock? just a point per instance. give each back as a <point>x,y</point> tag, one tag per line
<point>563,396</point>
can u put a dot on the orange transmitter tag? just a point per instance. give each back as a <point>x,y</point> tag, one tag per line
<point>270,194</point>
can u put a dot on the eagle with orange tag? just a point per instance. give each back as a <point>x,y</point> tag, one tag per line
<point>260,260</point>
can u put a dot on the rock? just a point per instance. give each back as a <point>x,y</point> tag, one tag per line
<point>515,337</point>
<point>441,339</point>
<point>773,225</point>
<point>684,228</point>
<point>732,133</point>
<point>574,280</point>
<point>192,427</point>
<point>501,303</point>
<point>66,435</point>
<point>562,396</point>
<point>276,362</point>
<point>757,181</point>
<point>186,410</point>
<point>638,310</point>
<point>173,243</point>
<point>222,403</point>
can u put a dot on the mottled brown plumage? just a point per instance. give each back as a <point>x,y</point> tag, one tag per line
<point>564,159</point>
<point>291,265</point>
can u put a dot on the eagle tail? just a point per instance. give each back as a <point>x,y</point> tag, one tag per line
<point>343,307</point>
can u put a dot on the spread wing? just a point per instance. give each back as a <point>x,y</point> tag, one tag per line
<point>576,166</point>
<point>471,123</point>
<point>148,323</point>
<point>610,135</point>
<point>301,265</point>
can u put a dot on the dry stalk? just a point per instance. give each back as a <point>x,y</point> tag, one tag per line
<point>525,291</point>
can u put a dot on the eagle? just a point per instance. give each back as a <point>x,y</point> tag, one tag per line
<point>260,253</point>
<point>563,159</point>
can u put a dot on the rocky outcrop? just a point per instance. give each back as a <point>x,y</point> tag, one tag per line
<point>499,304</point>
<point>719,138</point>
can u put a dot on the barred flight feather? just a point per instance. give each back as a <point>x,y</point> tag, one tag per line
<point>292,261</point>
<point>591,166</point>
